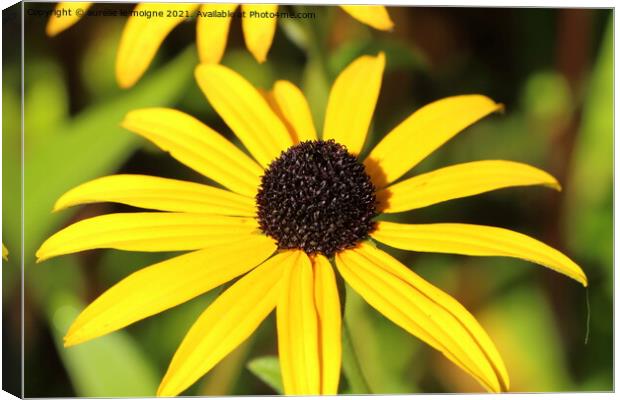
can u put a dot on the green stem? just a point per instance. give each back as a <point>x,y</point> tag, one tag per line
<point>351,365</point>
<point>316,79</point>
<point>317,48</point>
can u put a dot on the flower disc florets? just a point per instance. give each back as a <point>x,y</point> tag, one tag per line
<point>316,197</point>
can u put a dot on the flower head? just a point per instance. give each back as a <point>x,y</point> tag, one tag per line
<point>317,197</point>
<point>298,206</point>
<point>142,36</point>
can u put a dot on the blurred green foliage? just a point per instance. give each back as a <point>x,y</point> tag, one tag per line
<point>589,208</point>
<point>537,318</point>
<point>64,152</point>
<point>268,370</point>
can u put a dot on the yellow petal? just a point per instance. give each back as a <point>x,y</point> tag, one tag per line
<point>458,181</point>
<point>158,194</point>
<point>146,231</point>
<point>164,285</point>
<point>374,16</point>
<point>66,16</point>
<point>212,32</point>
<point>298,330</point>
<point>197,146</point>
<point>422,133</point>
<point>352,102</point>
<point>273,104</point>
<point>258,31</point>
<point>245,111</point>
<point>5,253</point>
<point>225,324</point>
<point>475,240</point>
<point>295,110</point>
<point>330,338</point>
<point>142,37</point>
<point>424,311</point>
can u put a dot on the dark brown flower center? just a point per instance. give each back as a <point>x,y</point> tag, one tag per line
<point>316,197</point>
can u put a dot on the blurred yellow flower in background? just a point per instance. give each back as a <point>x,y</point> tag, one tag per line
<point>300,205</point>
<point>143,36</point>
<point>5,253</point>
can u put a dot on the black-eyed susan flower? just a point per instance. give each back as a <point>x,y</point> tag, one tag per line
<point>285,216</point>
<point>143,36</point>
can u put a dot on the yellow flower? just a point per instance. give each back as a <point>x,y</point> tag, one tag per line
<point>143,36</point>
<point>5,253</point>
<point>297,203</point>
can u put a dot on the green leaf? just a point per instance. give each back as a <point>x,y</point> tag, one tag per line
<point>267,369</point>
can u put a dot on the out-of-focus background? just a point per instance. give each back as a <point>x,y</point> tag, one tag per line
<point>552,68</point>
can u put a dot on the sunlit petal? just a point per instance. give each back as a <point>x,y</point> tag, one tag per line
<point>147,231</point>
<point>352,102</point>
<point>245,111</point>
<point>258,31</point>
<point>212,32</point>
<point>424,311</point>
<point>158,194</point>
<point>298,336</point>
<point>166,284</point>
<point>475,240</point>
<point>328,309</point>
<point>295,110</point>
<point>197,146</point>
<point>458,181</point>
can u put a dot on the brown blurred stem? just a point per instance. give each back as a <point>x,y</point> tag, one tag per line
<point>573,59</point>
